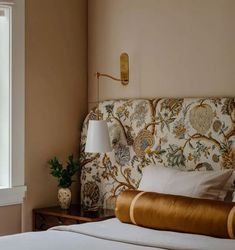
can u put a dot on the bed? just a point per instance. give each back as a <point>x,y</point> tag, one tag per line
<point>111,234</point>
<point>188,134</point>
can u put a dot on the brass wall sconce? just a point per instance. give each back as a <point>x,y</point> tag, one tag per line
<point>124,70</point>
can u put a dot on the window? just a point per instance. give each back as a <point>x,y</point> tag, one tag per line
<point>5,86</point>
<point>12,54</point>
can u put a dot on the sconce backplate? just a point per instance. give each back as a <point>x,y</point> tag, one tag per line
<point>124,67</point>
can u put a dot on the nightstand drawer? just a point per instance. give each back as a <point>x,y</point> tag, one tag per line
<point>44,222</point>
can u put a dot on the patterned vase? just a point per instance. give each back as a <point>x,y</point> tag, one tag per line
<point>64,197</point>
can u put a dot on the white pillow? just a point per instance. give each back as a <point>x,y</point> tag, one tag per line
<point>230,186</point>
<point>199,184</point>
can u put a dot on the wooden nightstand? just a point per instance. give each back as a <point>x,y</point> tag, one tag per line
<point>44,218</point>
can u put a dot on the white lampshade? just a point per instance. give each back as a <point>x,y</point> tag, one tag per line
<point>98,140</point>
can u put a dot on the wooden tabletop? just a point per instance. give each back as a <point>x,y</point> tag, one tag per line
<point>76,212</point>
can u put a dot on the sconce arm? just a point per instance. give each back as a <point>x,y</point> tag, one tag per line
<point>98,75</point>
<point>124,71</point>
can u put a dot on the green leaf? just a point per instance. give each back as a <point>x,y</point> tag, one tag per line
<point>64,174</point>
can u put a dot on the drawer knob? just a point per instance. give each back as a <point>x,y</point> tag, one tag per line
<point>60,221</point>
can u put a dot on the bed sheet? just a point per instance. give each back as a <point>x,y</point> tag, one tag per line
<point>111,234</point>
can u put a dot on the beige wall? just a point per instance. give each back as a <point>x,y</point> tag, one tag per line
<point>56,92</point>
<point>10,219</point>
<point>56,99</point>
<point>176,47</point>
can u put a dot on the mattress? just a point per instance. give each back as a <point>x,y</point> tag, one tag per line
<point>111,234</point>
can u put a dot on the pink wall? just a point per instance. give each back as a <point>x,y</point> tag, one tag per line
<point>176,47</point>
<point>10,219</point>
<point>56,100</point>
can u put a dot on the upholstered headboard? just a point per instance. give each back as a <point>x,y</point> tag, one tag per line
<point>189,134</point>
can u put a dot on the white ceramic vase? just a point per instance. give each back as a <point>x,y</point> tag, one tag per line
<point>64,197</point>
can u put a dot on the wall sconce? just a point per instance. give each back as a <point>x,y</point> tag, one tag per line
<point>98,140</point>
<point>124,70</point>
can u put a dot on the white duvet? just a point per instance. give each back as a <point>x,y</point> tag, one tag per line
<point>111,234</point>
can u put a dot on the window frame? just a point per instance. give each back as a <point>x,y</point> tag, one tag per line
<point>5,170</point>
<point>14,194</point>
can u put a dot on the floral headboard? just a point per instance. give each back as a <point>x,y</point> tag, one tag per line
<point>188,134</point>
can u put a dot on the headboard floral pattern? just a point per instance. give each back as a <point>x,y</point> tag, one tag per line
<point>192,134</point>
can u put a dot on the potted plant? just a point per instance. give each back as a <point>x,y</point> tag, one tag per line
<point>64,176</point>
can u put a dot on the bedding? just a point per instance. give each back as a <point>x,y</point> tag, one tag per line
<point>111,234</point>
<point>177,213</point>
<point>199,184</point>
<point>230,186</point>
